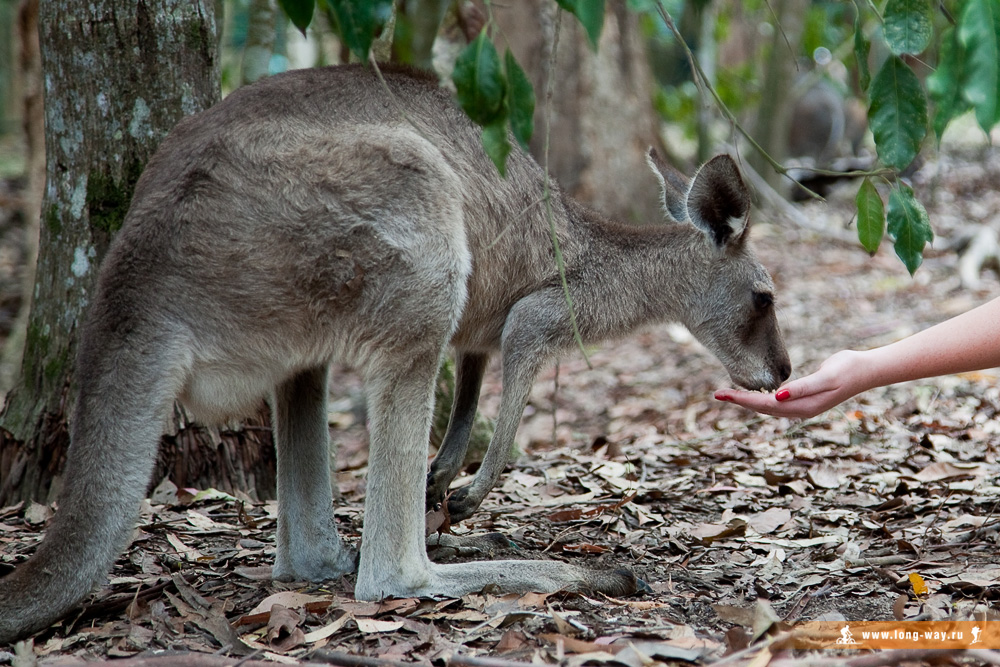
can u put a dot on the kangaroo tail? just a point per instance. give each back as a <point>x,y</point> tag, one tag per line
<point>120,410</point>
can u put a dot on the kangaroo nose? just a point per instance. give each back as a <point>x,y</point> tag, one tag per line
<point>784,370</point>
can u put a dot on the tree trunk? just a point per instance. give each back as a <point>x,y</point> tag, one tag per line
<point>602,117</point>
<point>119,74</point>
<point>259,45</point>
<point>770,130</point>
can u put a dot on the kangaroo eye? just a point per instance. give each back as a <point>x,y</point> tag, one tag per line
<point>762,300</point>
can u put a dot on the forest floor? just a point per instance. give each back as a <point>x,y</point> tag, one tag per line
<point>745,527</point>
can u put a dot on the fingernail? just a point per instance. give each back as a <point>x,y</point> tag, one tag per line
<point>783,395</point>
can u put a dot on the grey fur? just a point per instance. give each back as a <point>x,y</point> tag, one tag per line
<point>304,220</point>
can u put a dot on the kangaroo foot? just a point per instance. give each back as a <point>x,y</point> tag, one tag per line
<point>333,562</point>
<point>486,545</point>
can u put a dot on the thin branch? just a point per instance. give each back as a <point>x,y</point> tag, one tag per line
<point>871,6</point>
<point>349,660</point>
<point>781,29</point>
<point>547,193</point>
<point>470,661</point>
<point>395,100</point>
<point>703,82</point>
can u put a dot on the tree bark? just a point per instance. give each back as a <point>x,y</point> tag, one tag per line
<point>602,117</point>
<point>119,74</point>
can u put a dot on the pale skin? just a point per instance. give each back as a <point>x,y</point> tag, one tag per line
<point>966,342</point>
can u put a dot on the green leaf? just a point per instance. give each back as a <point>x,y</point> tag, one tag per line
<point>299,12</point>
<point>979,33</point>
<point>497,145</point>
<point>897,113</point>
<point>520,101</point>
<point>907,26</point>
<point>359,21</point>
<point>944,85</point>
<point>909,227</point>
<point>862,46</point>
<point>590,13</point>
<point>871,217</point>
<point>479,81</point>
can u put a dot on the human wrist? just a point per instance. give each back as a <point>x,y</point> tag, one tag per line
<point>870,369</point>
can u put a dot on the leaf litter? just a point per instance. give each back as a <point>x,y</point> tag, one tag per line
<point>885,508</point>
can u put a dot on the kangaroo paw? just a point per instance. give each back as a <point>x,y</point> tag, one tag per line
<point>437,487</point>
<point>462,504</point>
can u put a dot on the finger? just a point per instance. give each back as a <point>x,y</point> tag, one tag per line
<point>802,388</point>
<point>748,399</point>
<point>803,407</point>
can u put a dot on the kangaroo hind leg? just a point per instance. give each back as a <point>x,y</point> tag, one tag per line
<point>308,545</point>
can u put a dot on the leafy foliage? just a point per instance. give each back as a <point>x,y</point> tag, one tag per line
<point>358,22</point>
<point>521,101</point>
<point>862,47</point>
<point>300,12</point>
<point>907,26</point>
<point>496,96</point>
<point>898,113</point>
<point>909,227</point>
<point>871,217</point>
<point>945,84</point>
<point>967,76</point>
<point>979,35</point>
<point>591,16</point>
<point>480,82</point>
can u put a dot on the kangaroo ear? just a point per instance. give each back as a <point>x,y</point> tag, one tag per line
<point>673,186</point>
<point>718,201</point>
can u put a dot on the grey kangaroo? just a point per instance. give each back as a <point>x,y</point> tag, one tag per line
<point>321,216</point>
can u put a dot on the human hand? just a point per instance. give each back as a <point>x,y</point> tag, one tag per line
<point>840,377</point>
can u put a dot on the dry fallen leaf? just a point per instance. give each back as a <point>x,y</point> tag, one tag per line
<point>769,520</point>
<point>372,625</point>
<point>918,584</point>
<point>283,632</point>
<point>825,476</point>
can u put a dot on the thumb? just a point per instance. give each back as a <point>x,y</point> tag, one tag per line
<point>802,387</point>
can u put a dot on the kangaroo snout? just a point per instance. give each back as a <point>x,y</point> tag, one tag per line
<point>769,378</point>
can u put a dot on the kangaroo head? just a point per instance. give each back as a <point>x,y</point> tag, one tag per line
<point>730,308</point>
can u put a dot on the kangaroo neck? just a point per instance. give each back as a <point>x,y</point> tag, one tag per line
<point>626,276</point>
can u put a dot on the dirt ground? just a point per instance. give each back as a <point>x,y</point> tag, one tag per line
<point>885,509</point>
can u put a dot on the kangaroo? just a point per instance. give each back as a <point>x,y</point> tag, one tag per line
<point>321,216</point>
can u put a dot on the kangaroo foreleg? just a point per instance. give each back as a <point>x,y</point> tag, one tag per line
<point>536,327</point>
<point>450,456</point>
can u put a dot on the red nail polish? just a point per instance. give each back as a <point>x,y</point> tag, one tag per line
<point>783,395</point>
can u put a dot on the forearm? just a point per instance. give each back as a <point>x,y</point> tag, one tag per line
<point>967,342</point>
<point>964,343</point>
